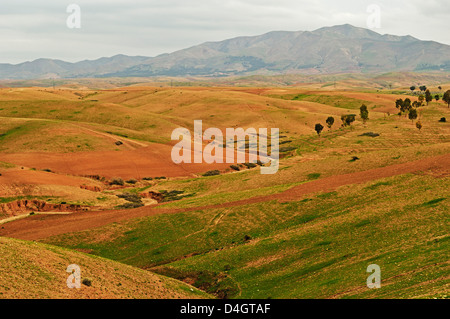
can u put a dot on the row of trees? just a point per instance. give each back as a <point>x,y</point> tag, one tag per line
<point>428,97</point>
<point>346,119</point>
<point>404,106</point>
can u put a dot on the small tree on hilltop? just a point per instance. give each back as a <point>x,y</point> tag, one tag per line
<point>330,122</point>
<point>412,88</point>
<point>437,97</point>
<point>446,98</point>
<point>319,128</point>
<point>423,88</point>
<point>364,113</point>
<point>428,97</point>
<point>412,114</point>
<point>440,88</point>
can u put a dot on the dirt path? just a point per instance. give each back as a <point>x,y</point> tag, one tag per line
<point>39,227</point>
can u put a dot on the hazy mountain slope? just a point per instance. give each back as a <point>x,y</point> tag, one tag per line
<point>338,49</point>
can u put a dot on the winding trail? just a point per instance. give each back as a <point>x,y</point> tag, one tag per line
<point>43,226</point>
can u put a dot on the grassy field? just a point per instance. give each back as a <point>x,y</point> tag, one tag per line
<point>315,247</point>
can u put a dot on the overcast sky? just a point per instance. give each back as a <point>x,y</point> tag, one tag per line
<point>32,29</point>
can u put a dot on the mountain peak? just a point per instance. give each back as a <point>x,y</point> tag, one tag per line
<point>333,49</point>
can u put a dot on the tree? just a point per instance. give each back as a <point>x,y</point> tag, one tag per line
<point>437,97</point>
<point>423,88</point>
<point>440,88</point>
<point>428,97</point>
<point>364,113</point>
<point>412,114</point>
<point>399,103</point>
<point>319,128</point>
<point>419,125</point>
<point>416,104</point>
<point>348,119</point>
<point>330,122</point>
<point>446,98</point>
<point>412,88</point>
<point>406,106</point>
<point>421,99</point>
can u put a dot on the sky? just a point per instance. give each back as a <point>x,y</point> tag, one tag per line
<point>33,29</point>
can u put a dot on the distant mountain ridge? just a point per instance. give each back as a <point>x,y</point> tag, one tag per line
<point>338,49</point>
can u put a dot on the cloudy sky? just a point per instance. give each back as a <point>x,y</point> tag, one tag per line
<point>33,29</point>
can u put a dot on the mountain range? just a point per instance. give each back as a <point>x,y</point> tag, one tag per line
<point>338,49</point>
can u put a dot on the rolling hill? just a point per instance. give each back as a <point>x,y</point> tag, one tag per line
<point>338,49</point>
<point>33,270</point>
<point>339,202</point>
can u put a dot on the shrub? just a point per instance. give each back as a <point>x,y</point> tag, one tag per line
<point>313,176</point>
<point>354,159</point>
<point>212,173</point>
<point>47,170</point>
<point>134,198</point>
<point>247,238</point>
<point>87,282</point>
<point>235,167</point>
<point>250,165</point>
<point>132,181</point>
<point>370,134</point>
<point>130,205</point>
<point>117,181</point>
<point>134,201</point>
<point>286,149</point>
<point>443,120</point>
<point>148,178</point>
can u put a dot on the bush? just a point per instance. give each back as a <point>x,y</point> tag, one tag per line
<point>286,149</point>
<point>235,167</point>
<point>117,181</point>
<point>148,178</point>
<point>212,173</point>
<point>247,238</point>
<point>132,181</point>
<point>130,205</point>
<point>313,176</point>
<point>354,159</point>
<point>134,201</point>
<point>250,165</point>
<point>443,120</point>
<point>370,134</point>
<point>87,282</point>
<point>134,198</point>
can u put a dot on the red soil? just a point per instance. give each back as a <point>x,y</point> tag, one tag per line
<point>22,206</point>
<point>38,227</point>
<point>151,161</point>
